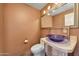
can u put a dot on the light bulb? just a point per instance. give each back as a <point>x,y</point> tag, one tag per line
<point>48,7</point>
<point>44,12</point>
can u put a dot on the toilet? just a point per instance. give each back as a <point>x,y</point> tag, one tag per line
<point>38,49</point>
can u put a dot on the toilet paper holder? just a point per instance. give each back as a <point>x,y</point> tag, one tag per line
<point>25,41</point>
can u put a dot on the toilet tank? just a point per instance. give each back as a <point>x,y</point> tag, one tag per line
<point>41,40</point>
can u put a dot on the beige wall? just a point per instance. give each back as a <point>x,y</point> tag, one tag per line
<point>21,22</point>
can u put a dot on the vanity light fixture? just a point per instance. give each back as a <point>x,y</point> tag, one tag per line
<point>48,7</point>
<point>44,12</point>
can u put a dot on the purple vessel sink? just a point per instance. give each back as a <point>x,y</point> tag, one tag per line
<point>56,37</point>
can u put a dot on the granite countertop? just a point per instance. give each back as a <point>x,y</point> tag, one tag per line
<point>65,46</point>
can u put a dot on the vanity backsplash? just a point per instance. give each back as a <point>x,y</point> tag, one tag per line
<point>45,32</point>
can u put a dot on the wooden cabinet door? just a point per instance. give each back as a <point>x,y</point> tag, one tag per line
<point>46,21</point>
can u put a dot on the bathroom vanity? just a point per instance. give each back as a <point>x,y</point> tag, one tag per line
<point>64,19</point>
<point>59,48</point>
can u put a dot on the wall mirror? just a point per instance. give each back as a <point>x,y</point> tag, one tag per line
<point>67,13</point>
<point>63,14</point>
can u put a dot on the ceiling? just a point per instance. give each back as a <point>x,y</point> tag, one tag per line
<point>63,8</point>
<point>38,6</point>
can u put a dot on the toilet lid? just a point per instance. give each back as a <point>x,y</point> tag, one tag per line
<point>37,47</point>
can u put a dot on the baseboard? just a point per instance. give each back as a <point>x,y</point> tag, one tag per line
<point>4,54</point>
